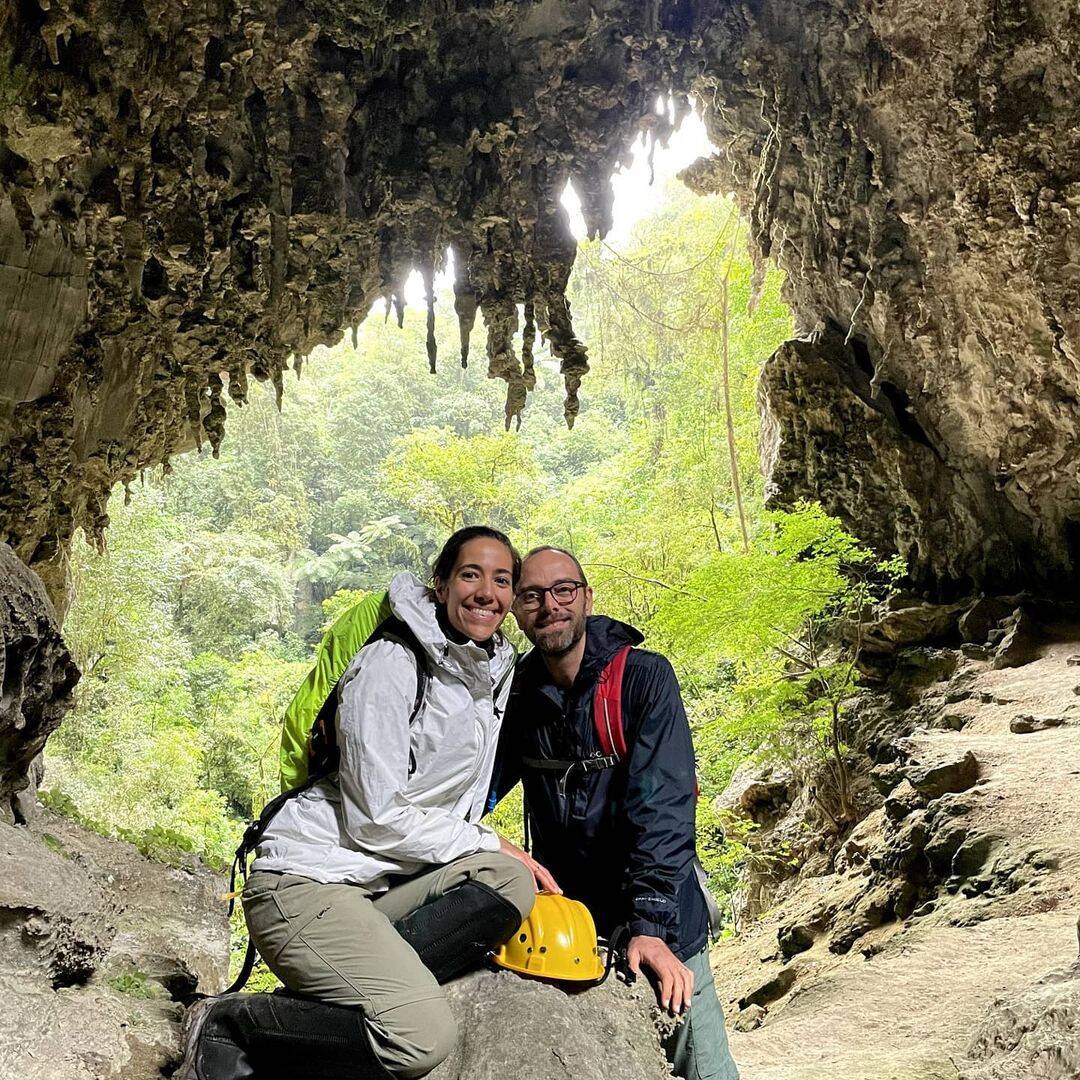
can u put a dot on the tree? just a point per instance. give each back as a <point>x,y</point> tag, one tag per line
<point>448,481</point>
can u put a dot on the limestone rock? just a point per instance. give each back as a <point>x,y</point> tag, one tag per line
<point>36,671</point>
<point>750,1018</point>
<point>795,938</point>
<point>947,774</point>
<point>515,1027</point>
<point>1033,1032</point>
<point>1025,723</point>
<point>912,624</point>
<point>190,195</point>
<point>979,619</point>
<point>863,842</point>
<point>1020,644</point>
<point>774,987</point>
<point>903,800</point>
<point>98,949</point>
<point>757,791</point>
<point>971,855</point>
<point>943,845</point>
<point>886,776</point>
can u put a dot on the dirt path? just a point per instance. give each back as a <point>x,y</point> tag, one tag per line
<point>904,1003</point>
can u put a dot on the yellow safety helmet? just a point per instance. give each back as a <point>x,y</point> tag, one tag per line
<point>556,941</point>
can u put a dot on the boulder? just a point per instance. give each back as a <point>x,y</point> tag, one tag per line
<point>750,1018</point>
<point>953,773</point>
<point>913,624</point>
<point>979,619</point>
<point>1020,644</point>
<point>37,675</point>
<point>510,1026</point>
<point>795,938</point>
<point>1025,724</point>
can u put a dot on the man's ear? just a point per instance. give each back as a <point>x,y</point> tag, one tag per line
<point>588,599</point>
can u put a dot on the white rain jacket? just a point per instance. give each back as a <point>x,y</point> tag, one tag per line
<point>371,819</point>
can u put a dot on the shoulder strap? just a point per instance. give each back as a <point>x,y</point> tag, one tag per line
<point>607,706</point>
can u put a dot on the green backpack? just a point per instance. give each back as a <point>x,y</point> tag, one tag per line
<point>347,635</point>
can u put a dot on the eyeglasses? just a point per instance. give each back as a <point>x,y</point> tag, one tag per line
<point>563,593</point>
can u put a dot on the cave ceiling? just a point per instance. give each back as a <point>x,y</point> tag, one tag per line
<point>193,193</point>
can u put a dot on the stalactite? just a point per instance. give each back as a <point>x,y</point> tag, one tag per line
<point>428,272</point>
<point>528,341</point>
<point>214,421</point>
<point>465,302</point>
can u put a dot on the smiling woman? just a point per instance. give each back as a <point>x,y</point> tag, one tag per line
<point>376,884</point>
<point>474,581</point>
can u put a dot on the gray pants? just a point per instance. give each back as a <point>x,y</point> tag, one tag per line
<point>698,1049</point>
<point>337,943</point>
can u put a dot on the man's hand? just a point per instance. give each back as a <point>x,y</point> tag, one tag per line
<point>675,981</point>
<point>541,875</point>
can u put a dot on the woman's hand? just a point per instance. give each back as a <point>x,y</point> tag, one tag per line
<point>541,875</point>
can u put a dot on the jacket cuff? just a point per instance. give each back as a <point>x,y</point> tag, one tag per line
<point>489,839</point>
<point>638,925</point>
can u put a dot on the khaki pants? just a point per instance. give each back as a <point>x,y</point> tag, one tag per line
<point>337,943</point>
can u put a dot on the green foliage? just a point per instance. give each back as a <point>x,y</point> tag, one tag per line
<point>262,980</point>
<point>355,560</point>
<point>133,983</point>
<point>232,588</point>
<point>449,480</point>
<point>507,819</point>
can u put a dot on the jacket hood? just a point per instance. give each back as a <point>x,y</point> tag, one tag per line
<point>604,637</point>
<point>414,604</point>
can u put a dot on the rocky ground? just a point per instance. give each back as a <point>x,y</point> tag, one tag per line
<point>939,940</point>
<point>99,949</point>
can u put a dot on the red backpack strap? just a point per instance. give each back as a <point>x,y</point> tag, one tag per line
<point>607,706</point>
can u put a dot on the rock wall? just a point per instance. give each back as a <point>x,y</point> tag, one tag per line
<point>190,195</point>
<point>915,168</point>
<point>37,676</point>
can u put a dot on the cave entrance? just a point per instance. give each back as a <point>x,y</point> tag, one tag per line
<point>198,624</point>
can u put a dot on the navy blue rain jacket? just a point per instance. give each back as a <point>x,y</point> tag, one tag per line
<point>620,840</point>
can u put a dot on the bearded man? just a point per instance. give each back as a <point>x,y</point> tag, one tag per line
<point>616,831</point>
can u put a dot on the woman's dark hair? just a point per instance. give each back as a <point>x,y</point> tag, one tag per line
<point>448,557</point>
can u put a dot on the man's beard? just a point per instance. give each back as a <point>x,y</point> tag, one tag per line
<point>559,638</point>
